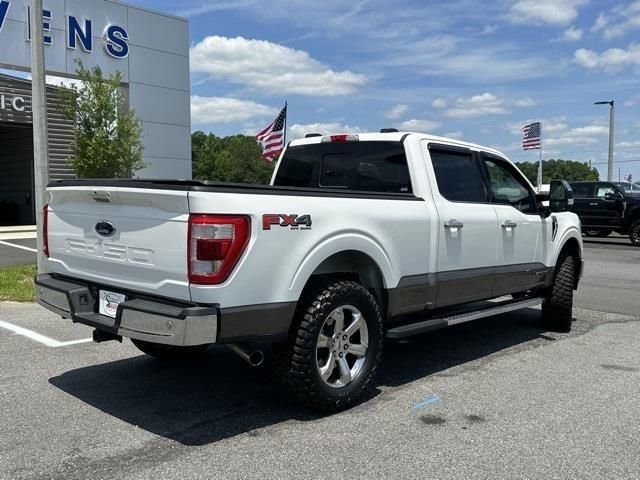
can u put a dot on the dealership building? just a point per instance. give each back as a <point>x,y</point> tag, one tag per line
<point>150,49</point>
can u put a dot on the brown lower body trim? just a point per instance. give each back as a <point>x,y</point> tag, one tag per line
<point>419,292</point>
<point>256,323</point>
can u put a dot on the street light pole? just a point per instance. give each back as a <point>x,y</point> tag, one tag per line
<point>612,113</point>
<point>39,114</point>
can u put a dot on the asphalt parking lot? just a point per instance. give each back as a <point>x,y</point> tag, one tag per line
<point>498,398</point>
<point>17,252</point>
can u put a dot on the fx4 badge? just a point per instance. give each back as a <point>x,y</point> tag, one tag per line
<point>296,222</point>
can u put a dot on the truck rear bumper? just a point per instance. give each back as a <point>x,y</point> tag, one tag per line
<point>138,317</point>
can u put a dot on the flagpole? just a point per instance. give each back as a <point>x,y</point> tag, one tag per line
<point>286,113</point>
<point>540,169</point>
<point>540,162</point>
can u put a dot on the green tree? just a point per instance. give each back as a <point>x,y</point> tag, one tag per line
<point>236,159</point>
<point>569,170</point>
<point>107,135</point>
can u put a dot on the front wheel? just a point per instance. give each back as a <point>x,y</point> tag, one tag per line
<point>634,233</point>
<point>557,308</point>
<point>332,354</point>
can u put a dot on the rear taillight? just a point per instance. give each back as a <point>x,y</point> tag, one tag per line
<point>45,230</point>
<point>344,138</point>
<point>216,243</point>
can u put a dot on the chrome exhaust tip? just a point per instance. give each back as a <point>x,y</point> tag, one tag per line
<point>253,357</point>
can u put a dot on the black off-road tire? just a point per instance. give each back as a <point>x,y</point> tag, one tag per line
<point>169,353</point>
<point>557,308</point>
<point>634,233</point>
<point>294,361</point>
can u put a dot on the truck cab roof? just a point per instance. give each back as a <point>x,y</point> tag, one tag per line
<point>397,137</point>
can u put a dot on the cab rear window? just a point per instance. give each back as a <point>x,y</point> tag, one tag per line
<point>358,166</point>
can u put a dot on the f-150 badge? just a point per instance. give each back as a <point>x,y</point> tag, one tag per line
<point>295,222</point>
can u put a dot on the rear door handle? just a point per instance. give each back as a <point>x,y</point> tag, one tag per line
<point>594,204</point>
<point>509,224</point>
<point>453,224</point>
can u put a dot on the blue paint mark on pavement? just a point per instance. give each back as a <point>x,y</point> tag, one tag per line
<point>431,399</point>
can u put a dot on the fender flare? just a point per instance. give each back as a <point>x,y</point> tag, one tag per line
<point>343,241</point>
<point>570,233</point>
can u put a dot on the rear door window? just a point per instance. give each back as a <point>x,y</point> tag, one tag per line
<point>359,166</point>
<point>458,176</point>
<point>582,190</point>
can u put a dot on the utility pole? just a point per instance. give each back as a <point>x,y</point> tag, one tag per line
<point>612,112</point>
<point>39,113</point>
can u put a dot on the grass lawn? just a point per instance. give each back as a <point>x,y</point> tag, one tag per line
<point>16,283</point>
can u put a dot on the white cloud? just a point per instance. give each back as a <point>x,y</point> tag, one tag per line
<point>476,106</point>
<point>525,102</point>
<point>549,125</point>
<point>439,103</point>
<point>481,105</point>
<point>634,144</point>
<point>270,67</point>
<point>397,111</point>
<point>553,12</point>
<point>632,101</point>
<point>299,131</point>
<point>611,60</point>
<point>601,22</point>
<point>446,55</point>
<point>369,21</point>
<point>489,29</point>
<point>418,125</point>
<point>577,136</point>
<point>206,110</point>
<point>214,7</point>
<point>457,135</point>
<point>586,58</point>
<point>572,34</point>
<point>618,21</point>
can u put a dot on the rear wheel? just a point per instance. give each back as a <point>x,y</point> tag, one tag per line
<point>170,352</point>
<point>332,355</point>
<point>557,308</point>
<point>634,233</point>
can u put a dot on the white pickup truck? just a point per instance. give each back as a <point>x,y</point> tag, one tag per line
<point>358,238</point>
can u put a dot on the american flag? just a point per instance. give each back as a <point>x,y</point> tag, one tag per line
<point>272,137</point>
<point>532,134</point>
<point>628,178</point>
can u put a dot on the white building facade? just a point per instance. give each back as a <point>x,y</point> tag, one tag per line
<point>151,50</point>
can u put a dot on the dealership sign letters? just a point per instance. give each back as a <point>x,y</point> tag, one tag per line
<point>17,104</point>
<point>78,32</point>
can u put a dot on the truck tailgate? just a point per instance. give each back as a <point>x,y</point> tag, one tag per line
<point>147,250</point>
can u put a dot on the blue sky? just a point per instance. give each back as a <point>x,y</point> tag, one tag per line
<point>472,69</point>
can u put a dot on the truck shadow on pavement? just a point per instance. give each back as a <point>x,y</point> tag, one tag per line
<point>219,397</point>
<point>616,243</point>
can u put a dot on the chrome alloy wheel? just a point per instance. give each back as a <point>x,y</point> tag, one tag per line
<point>342,345</point>
<point>635,234</point>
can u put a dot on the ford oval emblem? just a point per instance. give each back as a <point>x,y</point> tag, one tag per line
<point>105,229</point>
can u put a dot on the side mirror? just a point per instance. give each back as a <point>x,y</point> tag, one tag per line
<point>560,196</point>
<point>614,196</point>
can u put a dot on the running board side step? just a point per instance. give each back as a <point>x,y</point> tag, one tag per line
<point>437,323</point>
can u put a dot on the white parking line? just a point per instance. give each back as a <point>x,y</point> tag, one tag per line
<point>28,249</point>
<point>37,337</point>
<point>18,236</point>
